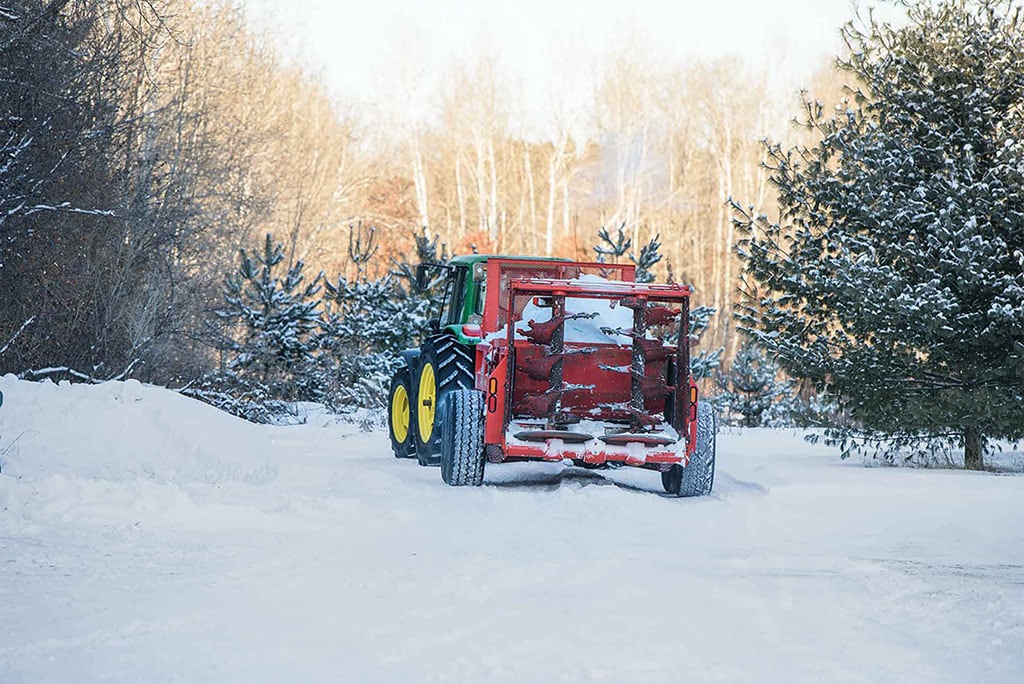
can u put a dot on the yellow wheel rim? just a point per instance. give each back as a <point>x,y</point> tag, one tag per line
<point>400,414</point>
<point>426,402</point>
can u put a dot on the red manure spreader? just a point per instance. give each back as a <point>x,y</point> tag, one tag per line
<point>548,360</point>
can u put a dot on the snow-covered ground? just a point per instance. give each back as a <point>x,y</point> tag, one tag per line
<point>147,537</point>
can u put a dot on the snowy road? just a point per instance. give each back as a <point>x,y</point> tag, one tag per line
<point>145,537</point>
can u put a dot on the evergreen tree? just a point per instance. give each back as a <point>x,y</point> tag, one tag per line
<point>894,278</point>
<point>277,318</point>
<point>750,387</point>
<point>607,246</point>
<point>366,324</point>
<point>426,302</point>
<point>618,246</point>
<point>650,254</point>
<point>705,363</point>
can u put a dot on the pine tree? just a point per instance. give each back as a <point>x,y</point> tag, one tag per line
<point>366,324</point>
<point>427,301</point>
<point>751,387</point>
<point>277,318</point>
<point>618,246</point>
<point>607,246</point>
<point>894,278</point>
<point>705,363</point>
<point>650,254</point>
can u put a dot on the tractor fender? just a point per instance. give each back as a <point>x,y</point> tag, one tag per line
<point>411,358</point>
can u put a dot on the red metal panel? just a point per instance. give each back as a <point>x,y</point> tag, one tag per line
<point>494,397</point>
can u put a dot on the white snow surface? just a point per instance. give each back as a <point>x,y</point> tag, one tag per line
<point>147,537</point>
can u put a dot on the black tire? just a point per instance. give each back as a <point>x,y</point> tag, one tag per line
<point>462,438</point>
<point>401,400</point>
<point>697,478</point>
<point>450,365</point>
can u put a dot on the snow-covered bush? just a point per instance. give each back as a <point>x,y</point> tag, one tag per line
<point>241,397</point>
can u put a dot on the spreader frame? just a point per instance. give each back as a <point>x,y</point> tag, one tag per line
<point>499,383</point>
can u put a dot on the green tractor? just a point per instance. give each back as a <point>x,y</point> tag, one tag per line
<point>445,359</point>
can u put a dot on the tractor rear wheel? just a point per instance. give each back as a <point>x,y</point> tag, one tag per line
<point>462,438</point>
<point>445,365</point>
<point>697,478</point>
<point>400,403</point>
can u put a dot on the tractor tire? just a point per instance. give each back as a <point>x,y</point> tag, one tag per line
<point>697,478</point>
<point>400,403</point>
<point>444,365</point>
<point>462,438</point>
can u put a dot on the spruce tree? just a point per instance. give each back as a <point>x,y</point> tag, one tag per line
<point>705,363</point>
<point>276,316</point>
<point>650,254</point>
<point>751,387</point>
<point>894,276</point>
<point>619,245</point>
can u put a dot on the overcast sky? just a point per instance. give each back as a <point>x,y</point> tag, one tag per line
<point>359,46</point>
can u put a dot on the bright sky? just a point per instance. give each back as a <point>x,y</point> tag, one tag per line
<point>359,46</point>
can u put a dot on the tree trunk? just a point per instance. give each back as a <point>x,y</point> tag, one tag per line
<point>973,442</point>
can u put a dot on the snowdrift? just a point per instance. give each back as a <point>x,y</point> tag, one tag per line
<point>122,431</point>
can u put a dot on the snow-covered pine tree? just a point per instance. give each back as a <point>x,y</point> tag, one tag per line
<point>276,318</point>
<point>368,321</point>
<point>607,246</point>
<point>751,386</point>
<point>706,362</point>
<point>424,302</point>
<point>894,278</point>
<point>650,254</point>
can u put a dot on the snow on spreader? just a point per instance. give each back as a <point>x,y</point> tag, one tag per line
<point>543,359</point>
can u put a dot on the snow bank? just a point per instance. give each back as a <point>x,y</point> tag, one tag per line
<point>124,431</point>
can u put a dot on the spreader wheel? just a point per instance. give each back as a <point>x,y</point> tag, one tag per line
<point>462,438</point>
<point>445,365</point>
<point>400,415</point>
<point>697,478</point>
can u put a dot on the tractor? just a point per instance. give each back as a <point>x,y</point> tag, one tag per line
<point>540,359</point>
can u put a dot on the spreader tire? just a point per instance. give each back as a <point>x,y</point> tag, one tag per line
<point>697,478</point>
<point>462,438</point>
<point>400,404</point>
<point>444,366</point>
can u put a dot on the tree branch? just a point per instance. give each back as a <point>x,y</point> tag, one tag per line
<point>20,330</point>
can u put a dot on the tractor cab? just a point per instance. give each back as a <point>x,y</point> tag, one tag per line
<point>466,287</point>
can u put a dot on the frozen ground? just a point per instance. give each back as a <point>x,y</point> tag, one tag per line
<point>146,537</point>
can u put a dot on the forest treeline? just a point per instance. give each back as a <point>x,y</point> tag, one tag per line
<point>144,144</point>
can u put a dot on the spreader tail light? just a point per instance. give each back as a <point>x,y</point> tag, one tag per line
<point>693,403</point>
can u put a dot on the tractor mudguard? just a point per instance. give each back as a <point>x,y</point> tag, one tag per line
<point>411,357</point>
